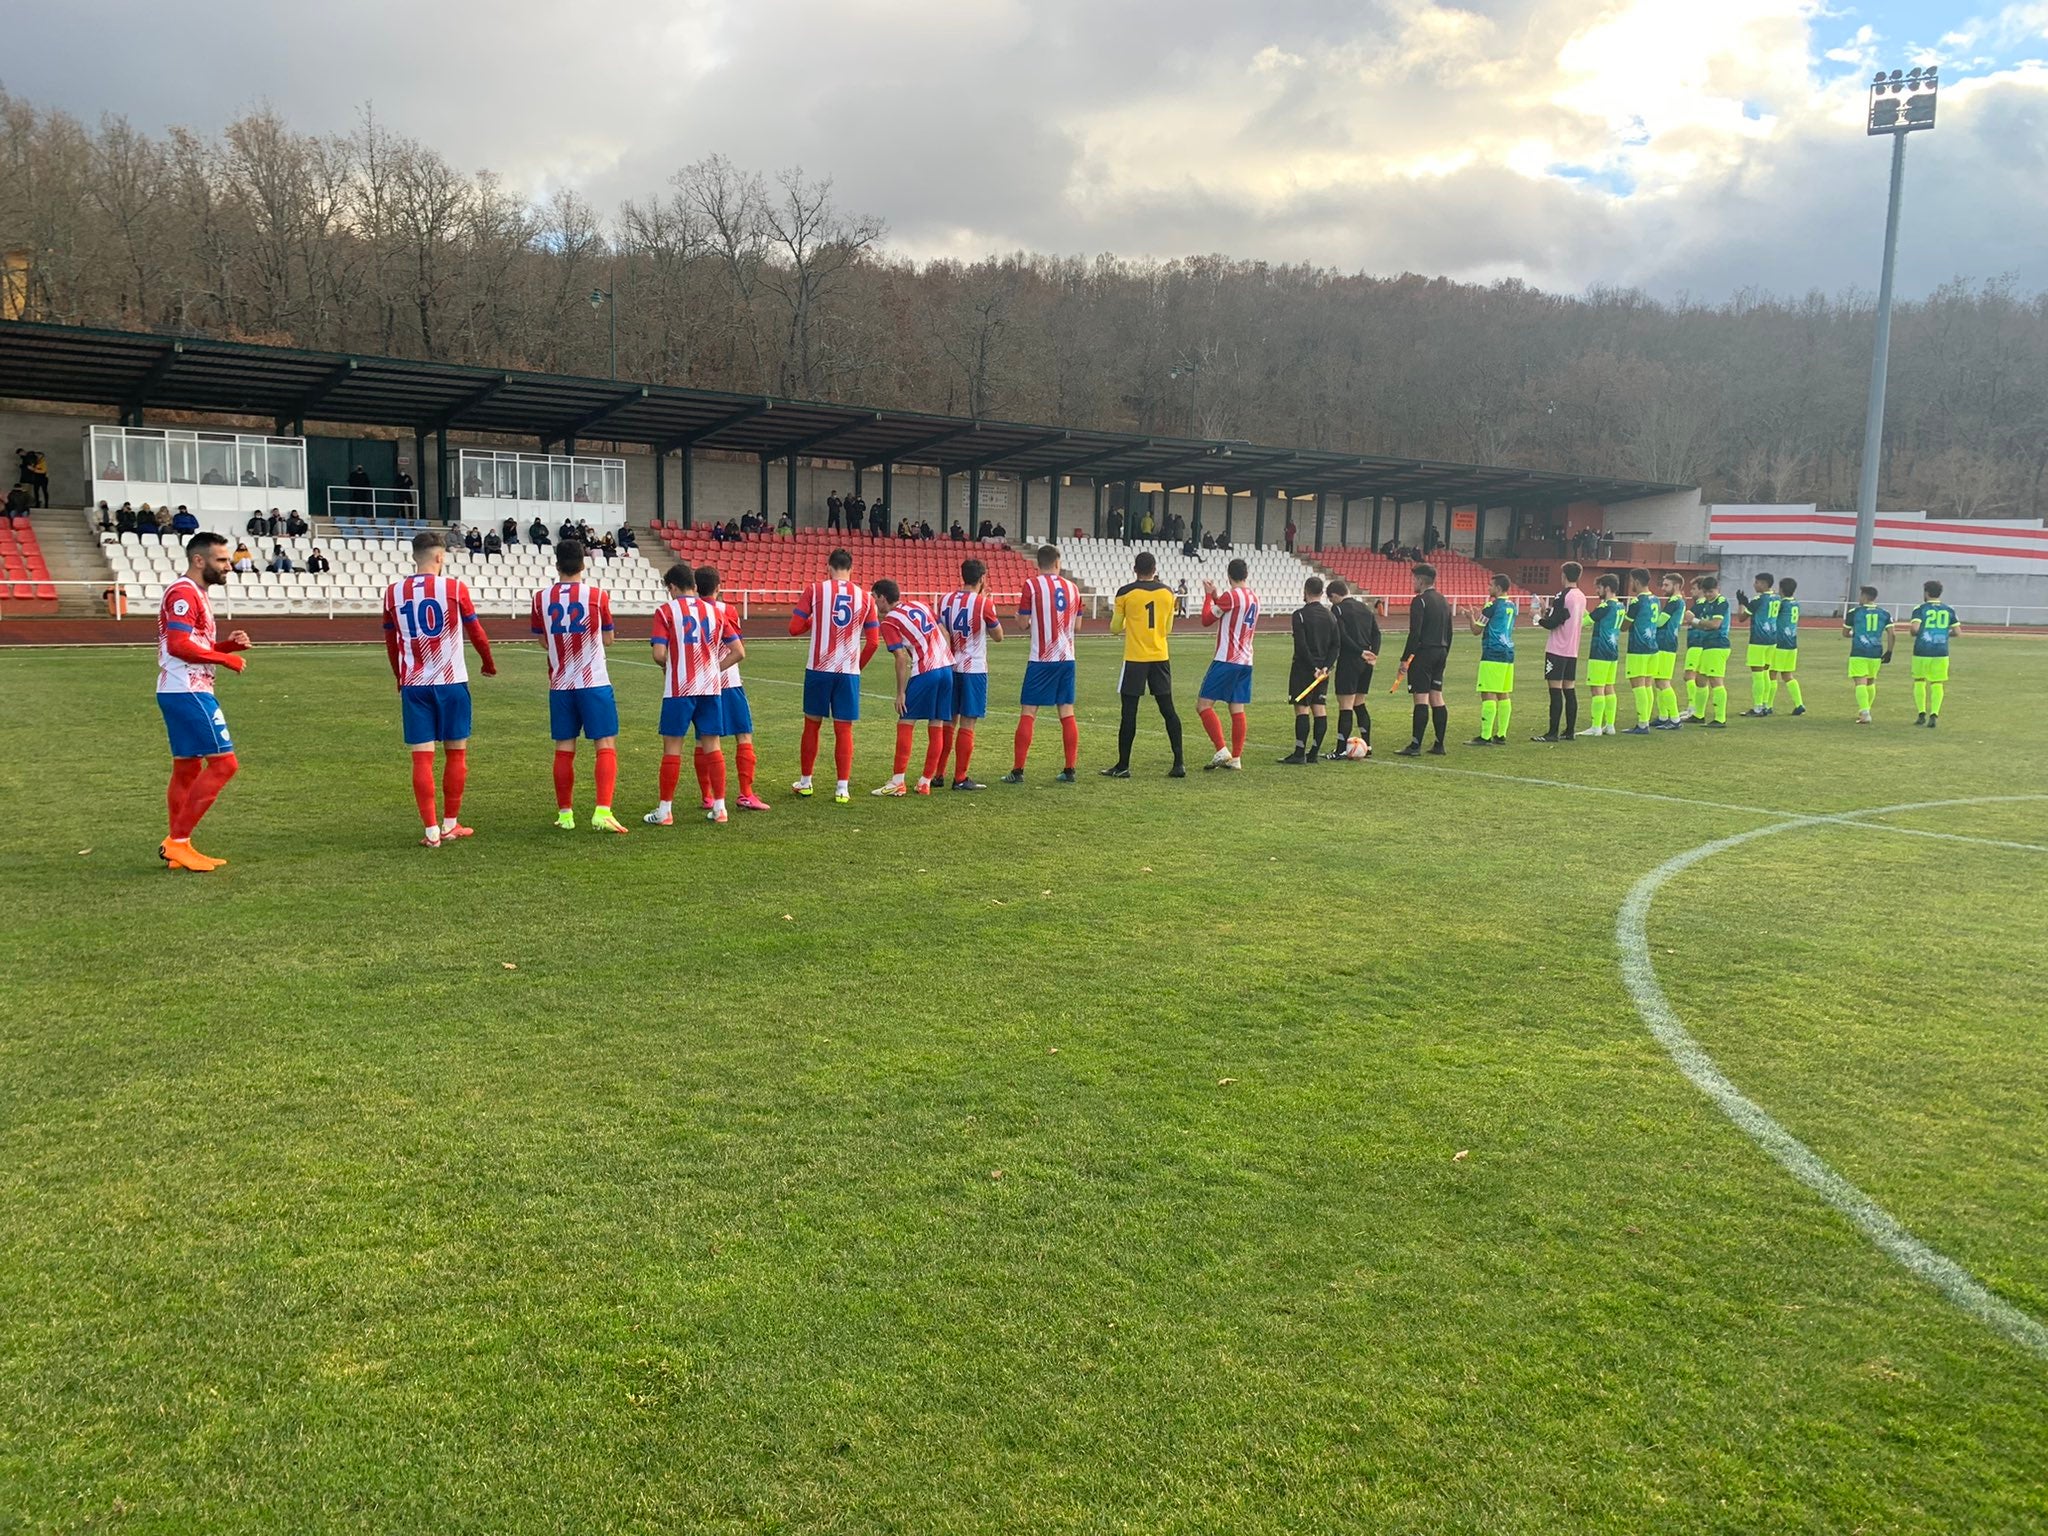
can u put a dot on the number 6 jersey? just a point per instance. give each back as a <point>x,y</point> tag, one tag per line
<point>572,618</point>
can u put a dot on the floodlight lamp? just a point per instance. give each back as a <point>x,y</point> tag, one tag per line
<point>596,298</point>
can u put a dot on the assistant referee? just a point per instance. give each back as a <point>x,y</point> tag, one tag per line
<point>1143,615</point>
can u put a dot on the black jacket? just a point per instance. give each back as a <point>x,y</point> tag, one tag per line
<point>1358,627</point>
<point>1429,623</point>
<point>1315,636</point>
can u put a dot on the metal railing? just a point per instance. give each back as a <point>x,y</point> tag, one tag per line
<point>384,502</point>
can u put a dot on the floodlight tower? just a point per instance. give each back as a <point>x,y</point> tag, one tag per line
<point>1900,103</point>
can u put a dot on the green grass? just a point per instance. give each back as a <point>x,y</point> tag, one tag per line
<point>1046,1160</point>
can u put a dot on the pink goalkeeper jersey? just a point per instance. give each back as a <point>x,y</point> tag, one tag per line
<point>1051,603</point>
<point>1564,640</point>
<point>1237,617</point>
<point>912,626</point>
<point>184,609</point>
<point>967,616</point>
<point>839,614</point>
<point>427,613</point>
<point>695,632</point>
<point>572,618</point>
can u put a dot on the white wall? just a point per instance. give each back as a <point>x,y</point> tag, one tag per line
<point>1679,517</point>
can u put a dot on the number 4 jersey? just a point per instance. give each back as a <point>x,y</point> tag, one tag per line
<point>425,618</point>
<point>573,618</point>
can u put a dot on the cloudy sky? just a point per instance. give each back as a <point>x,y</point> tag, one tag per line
<point>1685,146</point>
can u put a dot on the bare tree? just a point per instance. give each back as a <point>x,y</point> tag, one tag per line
<point>815,244</point>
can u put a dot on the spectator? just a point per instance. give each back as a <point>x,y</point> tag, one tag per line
<point>473,542</point>
<point>832,512</point>
<point>1116,522</point>
<point>987,530</point>
<point>257,526</point>
<point>732,529</point>
<point>903,528</point>
<point>212,476</point>
<point>295,525</point>
<point>18,501</point>
<point>359,485</point>
<point>582,494</point>
<point>146,520</point>
<point>1287,535</point>
<point>1208,540</point>
<point>274,524</point>
<point>568,530</point>
<point>406,498</point>
<point>124,520</point>
<point>718,533</point>
<point>280,562</point>
<point>1387,549</point>
<point>1432,541</point>
<point>112,471</point>
<point>472,483</point>
<point>1145,523</point>
<point>785,527</point>
<point>509,531</point>
<point>35,474</point>
<point>627,538</point>
<point>956,533</point>
<point>1188,548</point>
<point>585,533</point>
<point>184,524</point>
<point>538,533</point>
<point>244,561</point>
<point>878,518</point>
<point>317,564</point>
<point>107,523</point>
<point>1002,532</point>
<point>924,530</point>
<point>251,478</point>
<point>608,546</point>
<point>493,545</point>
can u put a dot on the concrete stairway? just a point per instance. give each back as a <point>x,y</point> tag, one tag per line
<point>72,550</point>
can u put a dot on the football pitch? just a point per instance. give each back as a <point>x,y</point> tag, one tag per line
<point>1272,1152</point>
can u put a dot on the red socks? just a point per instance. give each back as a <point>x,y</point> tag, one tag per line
<point>963,750</point>
<point>1212,725</point>
<point>745,754</point>
<point>714,767</point>
<point>607,775</point>
<point>1236,734</point>
<point>906,734</point>
<point>842,747</point>
<point>212,778</point>
<point>184,774</point>
<point>454,779</point>
<point>937,738</point>
<point>565,779</point>
<point>701,761</point>
<point>671,776</point>
<point>1024,729</point>
<point>807,754</point>
<point>1070,736</point>
<point>423,787</point>
<point>945,750</point>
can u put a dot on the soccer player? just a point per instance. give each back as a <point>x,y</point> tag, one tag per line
<point>1934,623</point>
<point>1308,674</point>
<point>1563,618</point>
<point>1785,659</point>
<point>1049,604</point>
<point>202,753</point>
<point>1235,614</point>
<point>1645,619</point>
<point>572,617</point>
<point>426,616</point>
<point>1358,647</point>
<point>734,711</point>
<point>924,683</point>
<point>1495,625</point>
<point>1143,615</point>
<point>1670,615</point>
<point>1603,654</point>
<point>1762,607</point>
<point>1424,658</point>
<point>1869,629</point>
<point>1706,656</point>
<point>970,618</point>
<point>694,640</point>
<point>840,619</point>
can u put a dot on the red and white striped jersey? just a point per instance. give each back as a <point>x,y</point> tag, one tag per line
<point>913,627</point>
<point>730,677</point>
<point>839,614</point>
<point>1237,617</point>
<point>572,618</point>
<point>695,632</point>
<point>1051,603</point>
<point>183,610</point>
<point>967,616</point>
<point>427,613</point>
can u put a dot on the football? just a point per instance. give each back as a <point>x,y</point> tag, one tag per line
<point>1357,749</point>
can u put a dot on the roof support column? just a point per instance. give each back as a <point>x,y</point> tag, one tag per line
<point>1229,511</point>
<point>1024,507</point>
<point>791,492</point>
<point>1098,508</point>
<point>1428,521</point>
<point>888,484</point>
<point>1195,512</point>
<point>441,471</point>
<point>856,479</point>
<point>974,499</point>
<point>1479,533</point>
<point>1376,520</point>
<point>689,485</point>
<point>660,487</point>
<point>945,501</point>
<point>762,505</point>
<point>1052,513</point>
<point>1344,522</point>
<point>1130,510</point>
<point>1321,497</point>
<point>419,471</point>
<point>1259,520</point>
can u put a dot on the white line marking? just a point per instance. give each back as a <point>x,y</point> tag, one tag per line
<point>1639,975</point>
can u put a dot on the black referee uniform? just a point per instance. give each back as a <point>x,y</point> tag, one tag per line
<point>1428,654</point>
<point>1308,678</point>
<point>1358,631</point>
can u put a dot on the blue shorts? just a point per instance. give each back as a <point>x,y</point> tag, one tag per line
<point>1228,682</point>
<point>592,711</point>
<point>831,694</point>
<point>1048,682</point>
<point>929,696</point>
<point>197,727</point>
<point>434,712</point>
<point>739,714</point>
<point>970,695</point>
<point>706,711</point>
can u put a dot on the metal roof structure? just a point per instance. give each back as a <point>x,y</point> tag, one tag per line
<point>135,371</point>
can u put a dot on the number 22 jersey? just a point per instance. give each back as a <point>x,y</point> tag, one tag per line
<point>572,618</point>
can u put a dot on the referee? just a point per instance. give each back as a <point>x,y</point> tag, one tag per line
<point>1308,679</point>
<point>1424,658</point>
<point>1358,647</point>
<point>1144,617</point>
